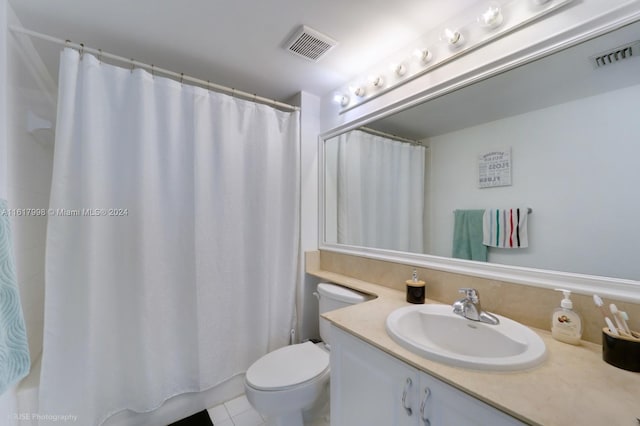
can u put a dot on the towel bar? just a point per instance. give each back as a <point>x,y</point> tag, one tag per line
<point>529,210</point>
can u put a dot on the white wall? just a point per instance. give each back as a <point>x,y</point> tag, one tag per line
<point>310,127</point>
<point>558,155</point>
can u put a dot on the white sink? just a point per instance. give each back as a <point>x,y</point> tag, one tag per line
<point>435,332</point>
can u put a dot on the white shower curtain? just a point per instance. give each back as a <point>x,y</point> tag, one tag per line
<point>380,192</point>
<point>172,240</point>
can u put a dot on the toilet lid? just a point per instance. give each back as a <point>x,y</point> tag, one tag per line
<point>288,366</point>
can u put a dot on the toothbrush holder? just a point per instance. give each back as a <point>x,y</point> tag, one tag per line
<point>621,351</point>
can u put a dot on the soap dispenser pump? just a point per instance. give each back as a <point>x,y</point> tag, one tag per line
<point>566,324</point>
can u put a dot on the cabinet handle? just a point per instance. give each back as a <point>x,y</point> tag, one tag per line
<point>407,386</point>
<point>423,406</point>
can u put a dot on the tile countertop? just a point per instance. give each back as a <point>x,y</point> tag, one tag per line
<point>573,386</point>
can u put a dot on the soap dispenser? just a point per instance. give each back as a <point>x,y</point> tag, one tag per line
<point>416,290</point>
<point>566,324</point>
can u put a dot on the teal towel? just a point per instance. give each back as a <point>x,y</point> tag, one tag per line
<point>14,349</point>
<point>467,235</point>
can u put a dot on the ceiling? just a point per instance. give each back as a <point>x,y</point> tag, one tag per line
<point>239,43</point>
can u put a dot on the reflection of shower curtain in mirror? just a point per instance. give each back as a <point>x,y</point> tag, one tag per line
<point>380,192</point>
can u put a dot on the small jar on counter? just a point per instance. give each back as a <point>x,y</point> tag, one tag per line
<point>416,289</point>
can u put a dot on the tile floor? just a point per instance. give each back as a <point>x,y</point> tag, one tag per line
<point>238,412</point>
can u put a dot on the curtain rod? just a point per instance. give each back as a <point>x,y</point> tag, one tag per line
<point>388,135</point>
<point>154,69</point>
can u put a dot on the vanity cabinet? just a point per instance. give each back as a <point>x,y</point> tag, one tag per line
<point>367,386</point>
<point>370,387</point>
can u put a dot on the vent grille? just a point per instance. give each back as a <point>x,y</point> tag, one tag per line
<point>310,44</point>
<point>618,54</point>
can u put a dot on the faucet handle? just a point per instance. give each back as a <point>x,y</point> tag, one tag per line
<point>470,293</point>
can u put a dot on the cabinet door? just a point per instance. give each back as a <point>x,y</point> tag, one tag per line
<point>443,405</point>
<point>369,387</point>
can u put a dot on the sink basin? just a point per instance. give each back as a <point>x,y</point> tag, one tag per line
<point>435,332</point>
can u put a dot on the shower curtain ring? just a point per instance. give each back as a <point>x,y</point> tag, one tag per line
<point>100,55</point>
<point>81,49</point>
<point>181,78</point>
<point>133,64</point>
<point>153,74</point>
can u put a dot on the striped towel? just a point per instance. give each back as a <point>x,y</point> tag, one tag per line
<point>506,228</point>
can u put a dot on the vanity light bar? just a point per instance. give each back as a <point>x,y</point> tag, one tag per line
<point>482,26</point>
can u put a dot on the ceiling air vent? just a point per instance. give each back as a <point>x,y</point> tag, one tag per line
<point>310,44</point>
<point>618,54</point>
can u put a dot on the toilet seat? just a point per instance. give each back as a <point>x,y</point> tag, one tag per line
<point>288,367</point>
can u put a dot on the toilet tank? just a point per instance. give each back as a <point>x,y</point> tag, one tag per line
<point>332,297</point>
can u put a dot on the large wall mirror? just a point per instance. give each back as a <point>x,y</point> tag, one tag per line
<point>571,134</point>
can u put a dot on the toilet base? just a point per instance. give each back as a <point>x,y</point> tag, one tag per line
<point>291,407</point>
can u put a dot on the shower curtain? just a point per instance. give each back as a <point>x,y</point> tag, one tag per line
<point>172,240</point>
<point>380,192</point>
<point>14,349</point>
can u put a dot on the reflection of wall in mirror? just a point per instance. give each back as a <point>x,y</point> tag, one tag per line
<point>577,164</point>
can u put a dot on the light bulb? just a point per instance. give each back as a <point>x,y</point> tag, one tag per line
<point>452,37</point>
<point>376,81</point>
<point>359,91</point>
<point>492,17</point>
<point>398,69</point>
<point>341,99</point>
<point>423,55</point>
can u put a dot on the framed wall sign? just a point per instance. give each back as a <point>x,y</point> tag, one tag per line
<point>494,168</point>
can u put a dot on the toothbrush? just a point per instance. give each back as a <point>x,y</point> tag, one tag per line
<point>598,301</point>
<point>622,325</point>
<point>625,317</point>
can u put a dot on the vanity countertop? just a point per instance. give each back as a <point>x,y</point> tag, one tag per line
<point>573,386</point>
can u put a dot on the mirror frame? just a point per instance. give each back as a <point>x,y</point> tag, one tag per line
<point>615,288</point>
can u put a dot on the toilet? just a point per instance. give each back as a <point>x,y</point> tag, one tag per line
<point>291,384</point>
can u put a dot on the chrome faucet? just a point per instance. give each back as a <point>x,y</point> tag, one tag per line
<point>469,307</point>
